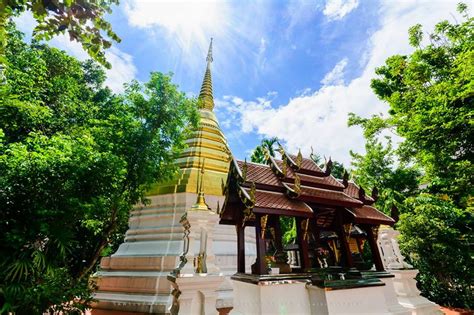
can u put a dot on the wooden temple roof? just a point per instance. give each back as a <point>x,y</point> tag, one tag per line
<point>370,215</point>
<point>266,201</point>
<point>294,186</point>
<point>356,192</point>
<point>260,174</point>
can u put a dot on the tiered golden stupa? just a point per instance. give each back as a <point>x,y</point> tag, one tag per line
<point>134,279</point>
<point>207,147</point>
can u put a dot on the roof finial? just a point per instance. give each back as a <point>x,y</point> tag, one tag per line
<point>206,99</point>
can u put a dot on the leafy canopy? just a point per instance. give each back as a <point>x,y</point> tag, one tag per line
<point>430,175</point>
<point>431,99</point>
<point>74,159</point>
<point>436,236</point>
<point>82,20</point>
<point>376,169</point>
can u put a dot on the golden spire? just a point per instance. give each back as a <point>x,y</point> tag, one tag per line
<point>206,100</point>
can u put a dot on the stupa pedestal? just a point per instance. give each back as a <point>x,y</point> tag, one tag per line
<point>298,295</point>
<point>409,295</point>
<point>404,283</point>
<point>196,279</point>
<point>134,279</point>
<point>283,298</point>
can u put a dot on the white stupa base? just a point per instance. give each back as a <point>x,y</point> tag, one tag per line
<point>409,296</point>
<point>290,298</point>
<point>366,300</point>
<point>300,298</point>
<point>135,277</point>
<point>198,294</point>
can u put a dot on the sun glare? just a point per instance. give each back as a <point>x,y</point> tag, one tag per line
<point>191,21</point>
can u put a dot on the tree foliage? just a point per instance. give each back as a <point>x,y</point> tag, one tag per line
<point>81,20</point>
<point>431,99</point>
<point>430,94</point>
<point>376,169</point>
<point>436,235</point>
<point>258,154</point>
<point>74,159</point>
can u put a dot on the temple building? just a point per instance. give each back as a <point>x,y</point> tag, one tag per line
<point>333,218</point>
<point>324,271</point>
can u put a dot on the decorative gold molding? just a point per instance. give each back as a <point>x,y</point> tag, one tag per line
<point>252,192</point>
<point>304,227</point>
<point>182,258</point>
<point>299,159</point>
<point>263,225</point>
<point>375,231</point>
<point>244,170</point>
<point>200,263</point>
<point>284,166</point>
<point>297,187</point>
<point>347,231</point>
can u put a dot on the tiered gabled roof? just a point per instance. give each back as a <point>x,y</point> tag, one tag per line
<point>294,186</point>
<point>355,191</point>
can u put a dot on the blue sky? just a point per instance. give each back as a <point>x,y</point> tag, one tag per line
<point>291,69</point>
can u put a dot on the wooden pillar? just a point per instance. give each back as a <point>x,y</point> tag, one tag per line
<point>303,245</point>
<point>345,249</point>
<point>260,264</point>
<point>240,247</point>
<point>374,248</point>
<point>359,245</point>
<point>275,223</point>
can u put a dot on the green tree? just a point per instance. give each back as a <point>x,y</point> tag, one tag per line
<point>74,159</point>
<point>430,95</point>
<point>436,235</point>
<point>82,20</point>
<point>376,169</point>
<point>431,99</point>
<point>258,154</point>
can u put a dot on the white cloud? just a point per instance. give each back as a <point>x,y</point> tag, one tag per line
<point>336,75</point>
<point>320,119</point>
<point>187,21</point>
<point>184,27</point>
<point>337,9</point>
<point>123,69</point>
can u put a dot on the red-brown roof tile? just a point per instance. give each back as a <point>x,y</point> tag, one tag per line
<point>260,174</point>
<point>326,181</point>
<point>278,201</point>
<point>321,195</point>
<point>370,215</point>
<point>308,164</point>
<point>353,191</point>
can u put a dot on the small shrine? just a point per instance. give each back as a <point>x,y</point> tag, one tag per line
<point>323,271</point>
<point>333,217</point>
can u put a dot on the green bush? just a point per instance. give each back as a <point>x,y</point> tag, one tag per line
<point>437,236</point>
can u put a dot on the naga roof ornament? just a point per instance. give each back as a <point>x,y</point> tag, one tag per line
<point>328,167</point>
<point>299,159</point>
